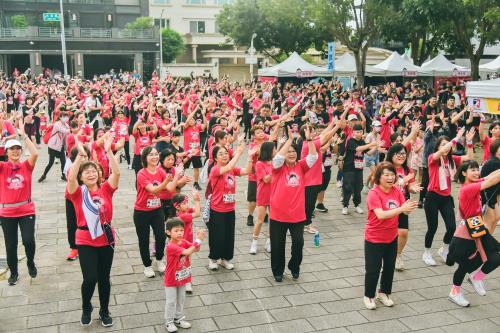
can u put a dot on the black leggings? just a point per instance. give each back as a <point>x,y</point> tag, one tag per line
<point>377,254</point>
<point>71,223</point>
<point>221,235</point>
<point>52,156</point>
<point>311,197</point>
<point>143,220</point>
<point>126,147</point>
<point>424,184</point>
<point>352,185</point>
<point>277,232</point>
<point>434,204</point>
<point>95,263</point>
<point>27,226</point>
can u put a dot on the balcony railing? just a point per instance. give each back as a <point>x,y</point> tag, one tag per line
<point>86,2</point>
<point>77,33</point>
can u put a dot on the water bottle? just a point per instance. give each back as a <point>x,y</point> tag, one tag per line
<point>316,239</point>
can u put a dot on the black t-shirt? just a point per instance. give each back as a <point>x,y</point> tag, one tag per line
<point>176,151</point>
<point>353,160</point>
<point>431,110</point>
<point>489,195</point>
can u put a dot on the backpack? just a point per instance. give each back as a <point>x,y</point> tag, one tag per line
<point>48,134</point>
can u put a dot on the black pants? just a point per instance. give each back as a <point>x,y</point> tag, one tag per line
<point>52,156</point>
<point>424,184</point>
<point>434,204</point>
<point>376,255</point>
<point>221,235</point>
<point>92,115</point>
<point>95,263</point>
<point>311,196</point>
<point>168,209</point>
<point>71,223</point>
<point>27,226</point>
<point>38,136</point>
<point>277,235</point>
<point>352,185</point>
<point>156,220</point>
<point>126,147</point>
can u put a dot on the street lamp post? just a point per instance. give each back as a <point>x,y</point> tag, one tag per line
<point>161,43</point>
<point>252,53</point>
<point>63,40</point>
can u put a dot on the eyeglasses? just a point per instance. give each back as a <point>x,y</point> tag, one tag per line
<point>153,155</point>
<point>401,153</point>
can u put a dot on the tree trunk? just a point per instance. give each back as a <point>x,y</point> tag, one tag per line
<point>360,70</point>
<point>474,66</point>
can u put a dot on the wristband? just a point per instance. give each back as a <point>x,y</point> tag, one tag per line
<point>198,241</point>
<point>454,141</point>
<point>469,143</point>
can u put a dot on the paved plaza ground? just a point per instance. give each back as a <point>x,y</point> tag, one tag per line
<point>327,297</point>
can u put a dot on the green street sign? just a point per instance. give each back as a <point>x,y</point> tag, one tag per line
<point>51,17</point>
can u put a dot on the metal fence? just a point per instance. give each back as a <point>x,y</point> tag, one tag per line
<point>89,33</point>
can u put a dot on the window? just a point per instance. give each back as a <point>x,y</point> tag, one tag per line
<point>197,27</point>
<point>164,24</point>
<point>195,2</point>
<point>161,2</point>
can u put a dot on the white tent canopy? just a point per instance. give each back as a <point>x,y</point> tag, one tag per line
<point>483,89</point>
<point>440,66</point>
<point>395,65</point>
<point>406,57</point>
<point>345,65</point>
<point>491,67</point>
<point>294,66</point>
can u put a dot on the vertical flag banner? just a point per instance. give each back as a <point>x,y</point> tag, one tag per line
<point>331,57</point>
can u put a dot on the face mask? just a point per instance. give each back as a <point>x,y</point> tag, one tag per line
<point>377,129</point>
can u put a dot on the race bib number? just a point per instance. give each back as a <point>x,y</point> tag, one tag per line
<point>153,203</point>
<point>358,164</point>
<point>183,274</point>
<point>228,198</point>
<point>194,145</point>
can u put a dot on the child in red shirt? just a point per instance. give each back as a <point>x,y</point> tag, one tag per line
<point>178,272</point>
<point>187,214</point>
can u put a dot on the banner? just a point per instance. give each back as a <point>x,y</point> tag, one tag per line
<point>485,105</point>
<point>331,57</point>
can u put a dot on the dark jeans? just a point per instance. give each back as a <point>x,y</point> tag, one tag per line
<point>71,223</point>
<point>352,185</point>
<point>126,147</point>
<point>311,194</point>
<point>434,204</point>
<point>27,226</point>
<point>143,220</point>
<point>95,263</point>
<point>377,254</point>
<point>424,184</point>
<point>277,232</point>
<point>221,235</point>
<point>52,156</point>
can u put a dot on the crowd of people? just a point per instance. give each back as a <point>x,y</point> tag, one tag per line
<point>393,143</point>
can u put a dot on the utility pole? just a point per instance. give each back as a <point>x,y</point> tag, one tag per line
<point>161,44</point>
<point>63,40</point>
<point>252,54</point>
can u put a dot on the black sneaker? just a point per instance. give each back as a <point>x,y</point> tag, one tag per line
<point>106,320</point>
<point>320,207</point>
<point>197,187</point>
<point>42,178</point>
<point>86,317</point>
<point>278,278</point>
<point>250,220</point>
<point>32,271</point>
<point>63,178</point>
<point>266,219</point>
<point>295,275</point>
<point>14,277</point>
<point>420,204</point>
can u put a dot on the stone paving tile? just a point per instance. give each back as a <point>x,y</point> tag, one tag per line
<point>337,320</point>
<point>430,320</point>
<point>298,312</point>
<point>388,326</point>
<point>244,319</point>
<point>291,326</point>
<point>262,304</point>
<point>471,326</point>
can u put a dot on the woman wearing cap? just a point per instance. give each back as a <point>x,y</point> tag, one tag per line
<point>16,208</point>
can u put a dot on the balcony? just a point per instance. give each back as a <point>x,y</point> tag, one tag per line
<point>77,33</point>
<point>85,2</point>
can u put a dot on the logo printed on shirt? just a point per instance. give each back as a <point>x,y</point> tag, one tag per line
<point>292,180</point>
<point>16,182</point>
<point>230,181</point>
<point>392,204</point>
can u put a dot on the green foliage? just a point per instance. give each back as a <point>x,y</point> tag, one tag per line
<point>143,22</point>
<point>19,21</point>
<point>172,44</point>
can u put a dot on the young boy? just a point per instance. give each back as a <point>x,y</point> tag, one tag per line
<point>187,214</point>
<point>178,272</point>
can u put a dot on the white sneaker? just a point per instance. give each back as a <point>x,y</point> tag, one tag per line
<point>369,303</point>
<point>149,272</point>
<point>253,247</point>
<point>130,167</point>
<point>189,288</point>
<point>339,184</point>
<point>478,286</point>
<point>212,265</point>
<point>345,211</point>
<point>268,245</point>
<point>427,258</point>
<point>182,324</point>
<point>443,253</point>
<point>384,299</point>
<point>171,327</point>
<point>226,264</point>
<point>400,266</point>
<point>159,266</point>
<point>458,299</point>
<point>359,210</point>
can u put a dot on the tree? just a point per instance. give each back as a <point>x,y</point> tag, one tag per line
<point>143,22</point>
<point>356,24</point>
<point>19,21</point>
<point>172,44</point>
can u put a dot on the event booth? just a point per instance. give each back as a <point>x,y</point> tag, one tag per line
<point>396,65</point>
<point>484,96</point>
<point>491,67</point>
<point>444,70</point>
<point>294,67</point>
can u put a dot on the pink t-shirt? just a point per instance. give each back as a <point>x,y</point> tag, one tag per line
<point>147,201</point>
<point>178,270</point>
<point>223,189</point>
<point>263,169</point>
<point>315,175</point>
<point>192,138</point>
<point>382,231</point>
<point>187,218</point>
<point>15,184</point>
<point>486,147</point>
<point>434,174</point>
<point>7,129</point>
<point>469,199</point>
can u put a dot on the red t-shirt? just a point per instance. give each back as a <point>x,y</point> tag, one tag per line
<point>192,138</point>
<point>434,174</point>
<point>187,218</point>
<point>71,141</point>
<point>121,129</point>
<point>315,175</point>
<point>400,174</point>
<point>288,193</point>
<point>146,201</point>
<point>102,157</point>
<point>486,147</point>
<point>382,231</point>
<point>166,194</point>
<point>104,195</point>
<point>15,180</point>
<point>469,199</point>
<point>178,270</point>
<point>223,189</point>
<point>7,127</point>
<point>142,141</point>
<point>263,169</point>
